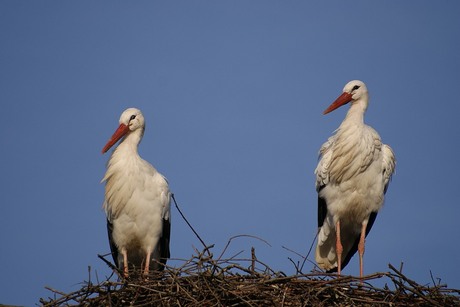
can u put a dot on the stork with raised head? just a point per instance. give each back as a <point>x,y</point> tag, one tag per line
<point>137,201</point>
<point>352,178</point>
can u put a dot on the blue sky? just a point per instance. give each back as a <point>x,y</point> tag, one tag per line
<point>233,94</point>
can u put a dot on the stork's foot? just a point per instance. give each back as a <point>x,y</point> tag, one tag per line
<point>338,248</point>
<point>147,265</point>
<point>124,252</point>
<point>361,244</point>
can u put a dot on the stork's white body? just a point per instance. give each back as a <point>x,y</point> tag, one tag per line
<point>137,203</point>
<point>351,179</point>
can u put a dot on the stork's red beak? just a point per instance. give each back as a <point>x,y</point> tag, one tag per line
<point>121,132</point>
<point>340,101</point>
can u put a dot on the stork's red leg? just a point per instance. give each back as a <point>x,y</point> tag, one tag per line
<point>147,263</point>
<point>361,244</point>
<point>338,248</point>
<point>125,262</point>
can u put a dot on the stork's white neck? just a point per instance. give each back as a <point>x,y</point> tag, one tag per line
<point>128,146</point>
<point>355,114</point>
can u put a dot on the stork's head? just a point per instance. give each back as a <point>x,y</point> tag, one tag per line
<point>352,92</point>
<point>130,120</point>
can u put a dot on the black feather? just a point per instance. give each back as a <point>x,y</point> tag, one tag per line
<point>113,246</point>
<point>322,209</point>
<point>164,244</point>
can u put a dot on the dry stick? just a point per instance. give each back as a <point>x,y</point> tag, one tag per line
<point>309,251</point>
<point>296,266</point>
<point>253,259</point>
<point>88,289</point>
<point>212,288</point>
<point>238,236</point>
<point>434,282</point>
<point>110,265</point>
<point>65,297</point>
<point>189,225</point>
<point>181,289</point>
<point>57,291</point>
<point>415,287</point>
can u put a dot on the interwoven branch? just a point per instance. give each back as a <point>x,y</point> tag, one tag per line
<point>204,281</point>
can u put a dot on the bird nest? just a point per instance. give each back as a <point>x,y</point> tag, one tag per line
<point>205,281</point>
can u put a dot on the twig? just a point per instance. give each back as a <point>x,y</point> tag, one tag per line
<point>239,236</point>
<point>253,259</point>
<point>189,225</point>
<point>110,265</point>
<point>309,250</point>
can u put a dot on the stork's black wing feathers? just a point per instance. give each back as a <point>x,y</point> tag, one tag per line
<point>164,243</point>
<point>113,246</point>
<point>322,209</point>
<point>354,248</point>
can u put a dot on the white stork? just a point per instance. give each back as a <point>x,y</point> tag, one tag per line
<point>137,201</point>
<point>352,177</point>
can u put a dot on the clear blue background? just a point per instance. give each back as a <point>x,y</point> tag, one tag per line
<point>233,94</point>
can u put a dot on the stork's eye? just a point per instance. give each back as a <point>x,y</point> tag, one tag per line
<point>355,88</point>
<point>132,117</point>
